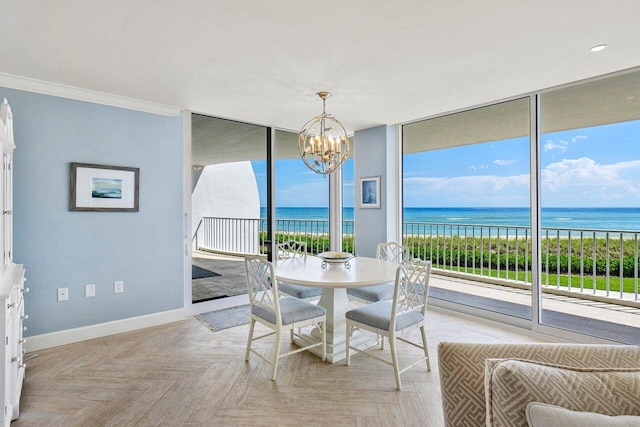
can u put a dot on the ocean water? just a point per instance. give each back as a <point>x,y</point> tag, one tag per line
<point>622,219</point>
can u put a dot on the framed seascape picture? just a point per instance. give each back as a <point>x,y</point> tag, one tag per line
<point>104,188</point>
<point>369,192</point>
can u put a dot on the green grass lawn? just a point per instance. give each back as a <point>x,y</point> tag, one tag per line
<point>630,285</point>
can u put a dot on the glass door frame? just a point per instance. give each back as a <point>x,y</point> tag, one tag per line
<point>535,136</point>
<point>190,307</point>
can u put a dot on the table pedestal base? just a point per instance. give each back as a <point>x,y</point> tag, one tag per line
<point>336,302</point>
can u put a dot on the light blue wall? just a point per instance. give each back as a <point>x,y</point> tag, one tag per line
<point>60,248</point>
<point>371,160</point>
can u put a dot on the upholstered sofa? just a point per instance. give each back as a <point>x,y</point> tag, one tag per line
<point>492,384</point>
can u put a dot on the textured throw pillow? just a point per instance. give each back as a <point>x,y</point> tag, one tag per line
<point>512,384</point>
<point>544,415</point>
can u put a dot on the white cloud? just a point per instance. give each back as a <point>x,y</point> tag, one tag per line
<point>578,137</point>
<point>561,144</point>
<point>550,145</point>
<point>587,183</point>
<point>471,190</point>
<point>501,162</point>
<point>569,182</point>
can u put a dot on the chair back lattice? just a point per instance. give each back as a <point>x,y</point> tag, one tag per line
<point>291,249</point>
<point>411,288</point>
<point>393,252</point>
<point>262,285</point>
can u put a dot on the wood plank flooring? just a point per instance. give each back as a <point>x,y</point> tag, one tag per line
<point>185,374</point>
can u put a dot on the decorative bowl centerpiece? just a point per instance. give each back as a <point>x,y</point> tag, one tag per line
<point>335,258</point>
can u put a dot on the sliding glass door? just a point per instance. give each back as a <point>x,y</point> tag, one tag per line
<point>229,196</point>
<point>590,191</point>
<point>466,205</point>
<point>301,197</point>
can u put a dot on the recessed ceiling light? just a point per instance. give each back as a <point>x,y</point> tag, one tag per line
<point>598,48</point>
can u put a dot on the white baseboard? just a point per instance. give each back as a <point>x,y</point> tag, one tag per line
<point>70,336</point>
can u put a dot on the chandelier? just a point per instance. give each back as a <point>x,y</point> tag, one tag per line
<point>323,142</point>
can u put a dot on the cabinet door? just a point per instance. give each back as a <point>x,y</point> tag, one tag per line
<point>3,204</point>
<point>7,213</point>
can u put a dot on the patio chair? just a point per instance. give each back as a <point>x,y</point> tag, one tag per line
<point>278,314</point>
<point>393,318</point>
<point>290,249</point>
<point>391,251</point>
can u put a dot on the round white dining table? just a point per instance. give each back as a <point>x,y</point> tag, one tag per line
<point>334,280</point>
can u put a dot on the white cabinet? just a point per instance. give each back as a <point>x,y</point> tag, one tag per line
<point>11,282</point>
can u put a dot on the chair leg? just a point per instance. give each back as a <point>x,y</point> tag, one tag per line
<point>426,351</point>
<point>246,354</point>
<point>381,342</point>
<point>276,354</point>
<point>348,359</point>
<point>291,333</point>
<point>394,359</point>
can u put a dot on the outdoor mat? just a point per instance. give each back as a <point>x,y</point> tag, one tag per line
<point>201,273</point>
<point>227,317</point>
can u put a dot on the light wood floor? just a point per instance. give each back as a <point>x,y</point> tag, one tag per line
<point>184,374</point>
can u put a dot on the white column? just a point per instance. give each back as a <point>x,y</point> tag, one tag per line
<point>335,210</point>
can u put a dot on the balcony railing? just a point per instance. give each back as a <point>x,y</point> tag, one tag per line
<point>596,262</point>
<point>232,235</point>
<point>247,236</point>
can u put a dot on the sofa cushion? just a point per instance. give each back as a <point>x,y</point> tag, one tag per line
<point>462,367</point>
<point>544,415</point>
<point>511,384</point>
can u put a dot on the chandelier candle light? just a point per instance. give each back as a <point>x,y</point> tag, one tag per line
<point>323,143</point>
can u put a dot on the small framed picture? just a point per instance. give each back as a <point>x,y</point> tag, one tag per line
<point>369,192</point>
<point>104,188</point>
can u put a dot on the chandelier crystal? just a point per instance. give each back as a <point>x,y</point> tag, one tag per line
<point>323,143</point>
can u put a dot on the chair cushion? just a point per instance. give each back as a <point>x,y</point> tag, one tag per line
<point>512,384</point>
<point>378,315</point>
<point>302,292</point>
<point>292,310</point>
<point>373,293</point>
<point>543,415</point>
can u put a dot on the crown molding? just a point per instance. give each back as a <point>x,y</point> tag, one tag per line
<point>65,91</point>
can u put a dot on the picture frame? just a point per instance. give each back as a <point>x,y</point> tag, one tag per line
<point>104,188</point>
<point>369,192</point>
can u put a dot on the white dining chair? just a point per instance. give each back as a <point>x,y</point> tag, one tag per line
<point>291,249</point>
<point>392,252</point>
<point>278,314</point>
<point>392,319</point>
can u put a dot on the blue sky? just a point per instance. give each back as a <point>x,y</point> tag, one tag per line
<point>589,167</point>
<point>298,186</point>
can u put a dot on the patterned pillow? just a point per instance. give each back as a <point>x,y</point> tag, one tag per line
<point>511,384</point>
<point>543,415</point>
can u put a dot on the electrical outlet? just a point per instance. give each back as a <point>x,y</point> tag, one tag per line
<point>89,291</point>
<point>63,294</point>
<point>118,287</point>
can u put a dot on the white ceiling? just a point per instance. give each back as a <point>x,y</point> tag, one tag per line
<point>384,61</point>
